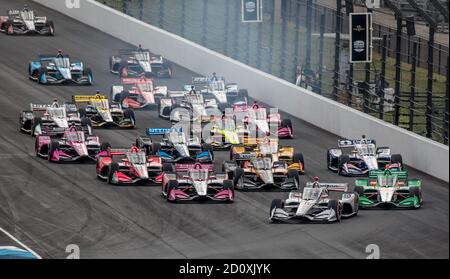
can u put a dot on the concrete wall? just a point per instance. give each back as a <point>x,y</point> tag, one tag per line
<point>417,151</point>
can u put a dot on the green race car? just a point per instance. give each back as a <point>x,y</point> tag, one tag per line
<point>389,188</point>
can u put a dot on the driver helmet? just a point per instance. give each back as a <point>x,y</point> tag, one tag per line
<point>60,53</point>
<point>316,183</point>
<point>55,103</point>
<point>25,8</point>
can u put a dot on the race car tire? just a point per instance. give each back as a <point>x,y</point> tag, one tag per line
<point>82,112</point>
<point>123,72</point>
<point>49,24</point>
<point>397,159</point>
<point>41,71</point>
<point>88,73</point>
<point>172,185</point>
<point>228,184</point>
<point>276,203</point>
<point>342,160</point>
<point>168,168</point>
<point>155,148</point>
<point>129,114</point>
<point>208,148</point>
<point>295,175</point>
<point>113,167</point>
<point>54,145</point>
<point>359,190</point>
<point>298,158</point>
<point>122,96</point>
<point>334,204</point>
<point>415,192</point>
<point>237,175</point>
<point>86,122</point>
<point>105,146</point>
<point>243,93</point>
<point>286,123</point>
<point>9,28</point>
<point>35,122</point>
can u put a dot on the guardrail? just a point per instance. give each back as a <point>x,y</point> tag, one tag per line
<point>418,152</point>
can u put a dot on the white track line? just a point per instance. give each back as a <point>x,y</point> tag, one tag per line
<point>20,243</point>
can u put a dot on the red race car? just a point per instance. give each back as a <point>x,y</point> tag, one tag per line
<point>137,93</point>
<point>128,166</point>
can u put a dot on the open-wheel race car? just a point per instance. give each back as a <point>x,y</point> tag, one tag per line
<point>389,188</point>
<point>189,182</point>
<point>137,93</point>
<point>128,166</point>
<point>73,146</point>
<point>103,114</point>
<point>358,157</point>
<point>140,62</point>
<point>27,22</point>
<point>315,204</point>
<point>52,119</point>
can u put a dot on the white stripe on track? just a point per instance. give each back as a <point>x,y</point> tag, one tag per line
<point>20,243</point>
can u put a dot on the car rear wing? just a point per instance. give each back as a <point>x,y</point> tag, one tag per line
<point>352,143</point>
<point>132,51</point>
<point>162,131</point>
<point>39,107</point>
<point>337,187</point>
<point>373,174</point>
<point>141,80</point>
<point>87,98</point>
<point>177,94</point>
<point>187,167</point>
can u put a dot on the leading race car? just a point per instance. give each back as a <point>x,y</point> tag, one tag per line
<point>128,166</point>
<point>189,182</point>
<point>26,21</point>
<point>140,62</point>
<point>315,204</point>
<point>390,187</point>
<point>177,147</point>
<point>52,119</point>
<point>255,119</point>
<point>137,93</point>
<point>103,114</point>
<point>59,69</point>
<point>74,146</point>
<point>358,157</point>
<point>225,133</point>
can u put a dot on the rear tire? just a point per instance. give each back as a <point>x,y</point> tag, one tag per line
<point>88,73</point>
<point>298,158</point>
<point>155,148</point>
<point>295,175</point>
<point>129,114</point>
<point>168,168</point>
<point>49,24</point>
<point>397,159</point>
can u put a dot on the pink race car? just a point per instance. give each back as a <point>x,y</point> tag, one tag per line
<point>137,93</point>
<point>73,146</point>
<point>188,182</point>
<point>266,124</point>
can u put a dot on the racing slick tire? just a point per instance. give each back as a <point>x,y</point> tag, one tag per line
<point>243,93</point>
<point>111,170</point>
<point>41,71</point>
<point>86,122</point>
<point>276,203</point>
<point>397,159</point>
<point>54,145</point>
<point>129,114</point>
<point>51,27</point>
<point>105,146</point>
<point>172,185</point>
<point>298,158</point>
<point>88,73</point>
<point>334,204</point>
<point>155,148</point>
<point>168,168</point>
<point>286,123</point>
<point>82,112</point>
<point>415,192</point>
<point>208,148</point>
<point>342,160</point>
<point>119,98</point>
<point>359,190</point>
<point>228,184</point>
<point>9,28</point>
<point>295,175</point>
<point>34,123</point>
<point>238,175</point>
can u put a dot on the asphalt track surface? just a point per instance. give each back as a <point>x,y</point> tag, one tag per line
<point>49,206</point>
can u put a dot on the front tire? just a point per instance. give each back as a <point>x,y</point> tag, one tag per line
<point>334,204</point>
<point>112,169</point>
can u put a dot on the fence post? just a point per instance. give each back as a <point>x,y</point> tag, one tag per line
<point>447,85</point>
<point>161,13</point>
<point>237,20</point>
<point>398,57</point>
<point>308,34</point>
<point>337,49</point>
<point>382,77</point>
<point>247,43</point>
<point>183,18</point>
<point>297,37</point>
<point>430,81</point>
<point>321,42</point>
<point>227,26</point>
<point>349,9</point>
<point>412,87</point>
<point>124,6</point>
<point>141,9</point>
<point>271,31</point>
<point>205,23</point>
<point>259,47</point>
<point>283,40</point>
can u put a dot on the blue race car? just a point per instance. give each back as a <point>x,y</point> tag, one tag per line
<point>176,147</point>
<point>59,69</point>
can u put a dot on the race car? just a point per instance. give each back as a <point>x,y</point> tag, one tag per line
<point>74,146</point>
<point>226,95</point>
<point>358,157</point>
<point>255,119</point>
<point>267,147</point>
<point>128,166</point>
<point>188,106</point>
<point>52,119</point>
<point>26,21</point>
<point>176,147</point>
<point>59,69</point>
<point>390,187</point>
<point>315,204</point>
<point>103,114</point>
<point>140,62</point>
<point>190,182</point>
<point>262,173</point>
<point>137,93</point>
<point>225,133</point>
